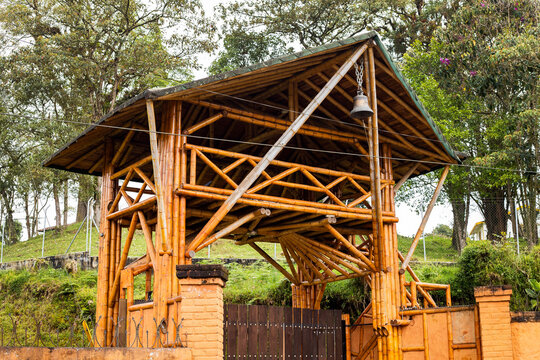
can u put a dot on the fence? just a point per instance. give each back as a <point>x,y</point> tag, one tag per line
<point>26,330</point>
<point>270,332</point>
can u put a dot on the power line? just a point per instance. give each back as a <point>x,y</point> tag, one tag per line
<point>333,152</point>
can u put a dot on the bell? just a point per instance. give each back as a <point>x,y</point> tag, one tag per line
<point>361,109</point>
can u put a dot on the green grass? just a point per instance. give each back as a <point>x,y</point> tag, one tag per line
<point>438,248</point>
<point>57,242</point>
<point>226,249</point>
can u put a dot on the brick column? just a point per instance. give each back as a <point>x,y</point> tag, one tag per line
<point>201,288</point>
<point>495,329</point>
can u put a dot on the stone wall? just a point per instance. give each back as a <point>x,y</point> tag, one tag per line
<point>81,259</point>
<point>85,262</point>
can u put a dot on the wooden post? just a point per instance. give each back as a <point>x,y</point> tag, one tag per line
<point>104,244</point>
<point>276,148</point>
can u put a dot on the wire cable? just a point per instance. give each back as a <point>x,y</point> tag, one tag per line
<point>333,152</point>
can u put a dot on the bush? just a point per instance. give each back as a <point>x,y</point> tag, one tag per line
<point>486,264</point>
<point>442,230</point>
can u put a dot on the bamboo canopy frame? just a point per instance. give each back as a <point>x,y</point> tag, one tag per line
<point>266,153</point>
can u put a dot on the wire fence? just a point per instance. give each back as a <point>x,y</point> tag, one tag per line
<point>31,330</point>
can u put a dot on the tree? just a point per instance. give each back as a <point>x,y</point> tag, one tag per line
<point>450,112</point>
<point>75,60</point>
<point>485,61</point>
<point>315,22</point>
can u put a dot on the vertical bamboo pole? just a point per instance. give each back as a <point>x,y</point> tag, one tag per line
<point>425,336</point>
<point>450,336</point>
<point>176,200</point>
<point>104,242</point>
<point>182,180</point>
<point>112,258</point>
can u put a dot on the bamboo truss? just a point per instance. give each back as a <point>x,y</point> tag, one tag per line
<point>200,174</point>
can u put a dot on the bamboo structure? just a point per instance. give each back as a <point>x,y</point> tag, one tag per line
<point>196,163</point>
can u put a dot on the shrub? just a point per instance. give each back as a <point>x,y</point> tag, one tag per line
<point>486,264</point>
<point>442,230</point>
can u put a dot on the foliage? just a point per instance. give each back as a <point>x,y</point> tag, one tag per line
<point>316,22</point>
<point>481,71</point>
<point>438,248</point>
<point>243,48</point>
<point>485,264</point>
<point>442,230</point>
<point>534,293</point>
<point>67,63</point>
<point>14,235</point>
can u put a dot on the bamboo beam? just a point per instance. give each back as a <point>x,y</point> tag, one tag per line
<point>122,147</point>
<point>212,119</point>
<point>136,164</point>
<point>406,177</point>
<point>257,159</point>
<point>123,259</point>
<point>350,247</point>
<point>282,203</point>
<point>228,229</point>
<point>157,176</point>
<point>425,219</point>
<point>274,263</point>
<point>150,249</point>
<point>129,210</point>
<point>146,180</point>
<point>288,259</point>
<point>104,246</point>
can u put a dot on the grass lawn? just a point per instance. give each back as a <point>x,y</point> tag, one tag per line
<point>56,242</point>
<point>438,248</point>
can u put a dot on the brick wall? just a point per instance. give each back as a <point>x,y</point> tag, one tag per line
<point>494,311</point>
<point>202,309</point>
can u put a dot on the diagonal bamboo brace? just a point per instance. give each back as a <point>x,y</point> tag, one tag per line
<point>276,148</point>
<point>424,220</point>
<point>350,247</point>
<point>157,175</point>
<point>233,226</point>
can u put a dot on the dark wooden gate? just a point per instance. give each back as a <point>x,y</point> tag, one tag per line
<point>271,332</point>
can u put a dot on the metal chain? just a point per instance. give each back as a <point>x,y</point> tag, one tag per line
<point>359,76</point>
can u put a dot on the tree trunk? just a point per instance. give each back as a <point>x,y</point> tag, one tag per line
<point>495,214</point>
<point>66,202</point>
<point>528,212</point>
<point>460,211</point>
<point>27,215</point>
<point>58,212</point>
<point>87,190</point>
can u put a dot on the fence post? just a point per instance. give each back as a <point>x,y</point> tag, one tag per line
<point>44,225</point>
<point>3,227</point>
<point>517,228</point>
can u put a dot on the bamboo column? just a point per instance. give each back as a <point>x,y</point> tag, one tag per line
<point>107,185</point>
<point>385,285</point>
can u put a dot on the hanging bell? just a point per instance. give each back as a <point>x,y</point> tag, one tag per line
<point>361,109</point>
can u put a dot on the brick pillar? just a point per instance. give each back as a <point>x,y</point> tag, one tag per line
<point>201,288</point>
<point>495,329</point>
